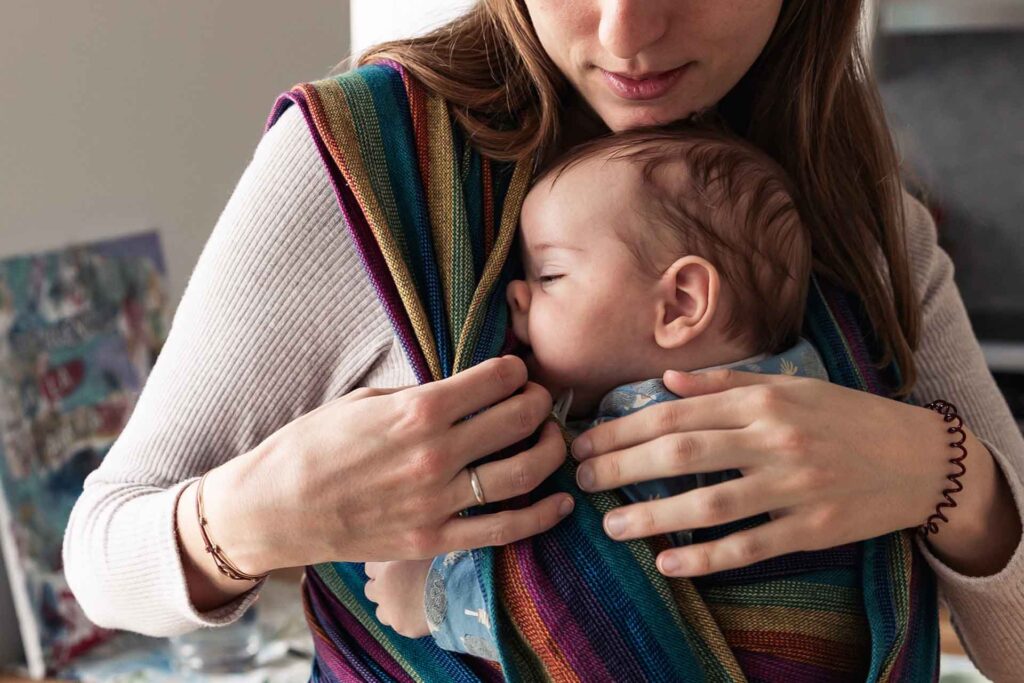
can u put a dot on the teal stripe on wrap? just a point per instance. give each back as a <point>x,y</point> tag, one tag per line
<point>461,256</point>
<point>884,581</point>
<point>595,555</point>
<point>472,182</point>
<point>390,142</point>
<point>421,653</point>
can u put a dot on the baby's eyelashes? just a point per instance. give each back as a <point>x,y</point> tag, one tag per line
<point>545,279</point>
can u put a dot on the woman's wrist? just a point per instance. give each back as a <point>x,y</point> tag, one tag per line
<point>238,519</point>
<point>224,508</point>
<point>984,528</point>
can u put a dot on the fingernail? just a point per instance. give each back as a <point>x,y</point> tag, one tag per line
<point>615,525</point>
<point>566,506</point>
<point>582,448</point>
<point>585,477</point>
<point>670,565</point>
<point>674,374</point>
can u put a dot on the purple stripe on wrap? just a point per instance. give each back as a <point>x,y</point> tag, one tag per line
<point>572,589</point>
<point>558,619</point>
<point>843,315</point>
<point>906,656</point>
<point>366,245</point>
<point>779,567</point>
<point>342,626</point>
<point>481,668</point>
<point>376,267</point>
<point>765,668</point>
<point>333,664</point>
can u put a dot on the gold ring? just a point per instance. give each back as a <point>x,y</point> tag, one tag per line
<point>478,490</point>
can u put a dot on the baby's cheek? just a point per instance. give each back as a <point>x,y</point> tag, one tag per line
<point>575,343</point>
<point>571,357</point>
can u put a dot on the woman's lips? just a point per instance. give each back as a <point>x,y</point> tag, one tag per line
<point>647,86</point>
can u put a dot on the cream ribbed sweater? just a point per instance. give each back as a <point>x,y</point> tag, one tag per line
<point>278,317</point>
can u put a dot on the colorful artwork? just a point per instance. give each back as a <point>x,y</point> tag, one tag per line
<point>80,329</point>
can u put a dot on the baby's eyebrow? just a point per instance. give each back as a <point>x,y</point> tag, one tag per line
<point>541,246</point>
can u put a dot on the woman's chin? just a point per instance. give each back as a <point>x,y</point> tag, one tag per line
<point>619,115</point>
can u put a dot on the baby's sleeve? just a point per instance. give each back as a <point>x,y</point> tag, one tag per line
<point>455,608</point>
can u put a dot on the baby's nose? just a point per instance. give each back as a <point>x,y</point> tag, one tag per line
<point>519,296</point>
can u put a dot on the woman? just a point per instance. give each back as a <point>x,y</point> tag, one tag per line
<point>258,381</point>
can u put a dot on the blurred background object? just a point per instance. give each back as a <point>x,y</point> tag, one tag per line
<point>376,21</point>
<point>952,77</point>
<point>954,16</point>
<point>80,328</point>
<point>121,116</point>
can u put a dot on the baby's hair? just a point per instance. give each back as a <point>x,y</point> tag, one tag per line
<point>730,203</point>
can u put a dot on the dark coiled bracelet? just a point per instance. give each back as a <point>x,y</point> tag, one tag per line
<point>949,415</point>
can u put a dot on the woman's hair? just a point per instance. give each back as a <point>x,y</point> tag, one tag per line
<point>809,101</point>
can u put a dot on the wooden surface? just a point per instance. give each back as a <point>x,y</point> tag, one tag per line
<point>950,643</point>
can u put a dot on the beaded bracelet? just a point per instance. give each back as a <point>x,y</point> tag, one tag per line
<point>949,414</point>
<point>226,566</point>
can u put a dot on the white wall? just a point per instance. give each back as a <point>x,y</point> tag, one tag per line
<point>374,21</point>
<point>123,115</point>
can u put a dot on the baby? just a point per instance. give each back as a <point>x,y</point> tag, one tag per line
<point>647,251</point>
<point>644,252</point>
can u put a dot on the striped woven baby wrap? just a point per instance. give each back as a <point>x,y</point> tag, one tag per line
<point>434,222</point>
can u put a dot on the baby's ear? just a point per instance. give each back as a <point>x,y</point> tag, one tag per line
<point>687,301</point>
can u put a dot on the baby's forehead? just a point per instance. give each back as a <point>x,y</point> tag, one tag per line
<point>593,206</point>
<point>605,167</point>
<point>594,185</point>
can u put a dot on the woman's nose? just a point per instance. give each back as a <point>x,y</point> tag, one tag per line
<point>628,27</point>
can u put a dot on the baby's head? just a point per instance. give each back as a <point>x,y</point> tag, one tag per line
<point>655,250</point>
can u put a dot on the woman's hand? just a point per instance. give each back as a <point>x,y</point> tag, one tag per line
<point>397,588</point>
<point>830,465</point>
<point>381,474</point>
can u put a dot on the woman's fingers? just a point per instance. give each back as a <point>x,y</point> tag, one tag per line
<point>739,549</point>
<point>701,383</point>
<point>511,420</point>
<point>477,387</point>
<point>507,526</point>
<point>666,456</point>
<point>512,476</point>
<point>698,509</point>
<point>716,411</point>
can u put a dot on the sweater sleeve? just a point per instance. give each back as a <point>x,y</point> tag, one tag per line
<point>277,318</point>
<point>988,611</point>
